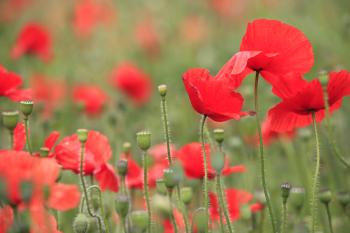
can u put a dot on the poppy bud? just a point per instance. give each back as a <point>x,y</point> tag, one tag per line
<point>10,119</point>
<point>126,147</point>
<point>81,223</point>
<point>325,196</point>
<point>82,135</point>
<point>162,204</point>
<point>162,89</point>
<point>26,188</point>
<point>218,161</point>
<point>170,179</point>
<point>343,198</point>
<point>143,139</point>
<point>219,135</point>
<point>186,195</point>
<point>44,151</point>
<point>285,190</point>
<point>122,205</point>
<point>160,187</point>
<point>323,77</point>
<point>245,212</point>
<point>139,220</point>
<point>122,167</point>
<point>26,107</point>
<point>297,197</point>
<point>200,219</point>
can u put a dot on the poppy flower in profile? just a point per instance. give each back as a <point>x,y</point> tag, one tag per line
<point>273,49</point>
<point>33,39</point>
<point>10,84</point>
<point>235,198</point>
<point>190,156</point>
<point>133,82</point>
<point>17,168</point>
<point>88,14</point>
<point>300,101</point>
<point>147,36</point>
<point>91,97</point>
<point>49,92</point>
<point>211,96</point>
<point>97,153</point>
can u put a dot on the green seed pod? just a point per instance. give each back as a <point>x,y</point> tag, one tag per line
<point>218,161</point>
<point>219,135</point>
<point>186,195</point>
<point>139,220</point>
<point>162,89</point>
<point>169,178</point>
<point>44,152</point>
<point>122,167</point>
<point>143,140</point>
<point>160,187</point>
<point>325,196</point>
<point>126,147</point>
<point>82,135</point>
<point>26,107</point>
<point>343,198</point>
<point>297,196</point>
<point>122,205</point>
<point>285,190</point>
<point>81,223</point>
<point>200,220</point>
<point>26,188</point>
<point>10,119</point>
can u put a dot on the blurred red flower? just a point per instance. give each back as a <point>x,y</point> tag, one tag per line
<point>33,39</point>
<point>301,100</point>
<point>6,218</point>
<point>147,36</point>
<point>193,29</point>
<point>17,168</point>
<point>9,86</point>
<point>88,14</point>
<point>49,92</point>
<point>190,155</point>
<point>271,48</point>
<point>212,96</point>
<point>228,8</point>
<point>97,153</point>
<point>168,226</point>
<point>19,137</point>
<point>10,9</point>
<point>159,153</point>
<point>92,97</point>
<point>133,82</point>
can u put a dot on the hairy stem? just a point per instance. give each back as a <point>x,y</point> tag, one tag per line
<point>262,158</point>
<point>146,192</point>
<point>222,203</point>
<point>166,127</point>
<point>172,219</point>
<point>205,184</point>
<point>26,127</point>
<point>284,217</point>
<point>101,205</point>
<point>315,178</point>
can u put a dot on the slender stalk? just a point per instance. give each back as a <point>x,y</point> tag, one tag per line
<point>262,158</point>
<point>145,189</point>
<point>172,219</point>
<point>11,139</point>
<point>329,215</point>
<point>315,178</point>
<point>205,184</point>
<point>123,225</point>
<point>166,127</point>
<point>222,226</point>
<point>26,127</point>
<point>101,205</point>
<point>82,180</point>
<point>222,203</point>
<point>284,217</point>
<point>262,220</point>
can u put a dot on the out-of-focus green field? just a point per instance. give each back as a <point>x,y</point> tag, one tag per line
<point>91,60</point>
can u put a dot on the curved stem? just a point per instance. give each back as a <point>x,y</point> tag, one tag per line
<point>101,205</point>
<point>166,127</point>
<point>81,175</point>
<point>205,184</point>
<point>315,178</point>
<point>222,203</point>
<point>145,189</point>
<point>262,158</point>
<point>26,127</point>
<point>329,215</point>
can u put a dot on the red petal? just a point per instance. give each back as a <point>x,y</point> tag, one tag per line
<point>338,86</point>
<point>64,197</point>
<point>213,206</point>
<point>107,178</point>
<point>235,169</point>
<point>19,137</point>
<point>51,139</point>
<point>42,221</point>
<point>6,218</point>
<point>286,86</point>
<point>235,198</point>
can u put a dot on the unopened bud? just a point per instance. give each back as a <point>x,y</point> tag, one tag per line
<point>325,196</point>
<point>26,107</point>
<point>10,119</point>
<point>139,220</point>
<point>82,135</point>
<point>162,89</point>
<point>218,161</point>
<point>219,135</point>
<point>81,223</point>
<point>186,195</point>
<point>169,178</point>
<point>126,147</point>
<point>143,140</point>
<point>122,167</point>
<point>297,196</point>
<point>285,190</point>
<point>122,205</point>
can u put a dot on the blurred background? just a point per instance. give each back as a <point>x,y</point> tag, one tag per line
<point>95,43</point>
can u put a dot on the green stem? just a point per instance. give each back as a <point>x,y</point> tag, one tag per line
<point>329,215</point>
<point>262,220</point>
<point>166,127</point>
<point>222,227</point>
<point>145,189</point>
<point>182,208</point>
<point>284,217</point>
<point>26,127</point>
<point>11,139</point>
<point>315,178</point>
<point>205,184</point>
<point>222,203</point>
<point>82,180</point>
<point>172,219</point>
<point>101,205</point>
<point>262,158</point>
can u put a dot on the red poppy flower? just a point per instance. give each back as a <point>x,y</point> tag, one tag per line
<point>272,48</point>
<point>9,86</point>
<point>159,153</point>
<point>88,14</point>
<point>299,102</point>
<point>49,92</point>
<point>92,97</point>
<point>97,153</point>
<point>228,8</point>
<point>191,158</point>
<point>33,39</point>
<point>11,9</point>
<point>17,167</point>
<point>133,82</point>
<point>212,96</point>
<point>234,199</point>
<point>147,36</point>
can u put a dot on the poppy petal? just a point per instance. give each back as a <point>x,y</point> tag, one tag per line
<point>107,178</point>
<point>64,197</point>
